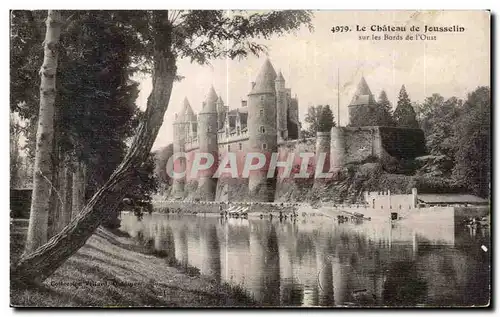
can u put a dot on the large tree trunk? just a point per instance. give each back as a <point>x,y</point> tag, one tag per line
<point>66,194</point>
<point>37,229</point>
<point>55,192</point>
<point>54,202</point>
<point>37,266</point>
<point>78,188</point>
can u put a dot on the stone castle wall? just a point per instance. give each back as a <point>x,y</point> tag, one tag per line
<point>361,143</point>
<point>345,145</point>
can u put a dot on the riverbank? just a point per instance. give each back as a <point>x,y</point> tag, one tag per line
<point>254,209</point>
<point>113,270</point>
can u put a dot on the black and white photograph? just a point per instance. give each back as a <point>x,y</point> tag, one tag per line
<point>250,158</point>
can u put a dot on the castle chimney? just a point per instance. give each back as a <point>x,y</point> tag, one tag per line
<point>243,103</point>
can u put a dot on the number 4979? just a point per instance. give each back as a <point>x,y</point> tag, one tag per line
<point>340,28</point>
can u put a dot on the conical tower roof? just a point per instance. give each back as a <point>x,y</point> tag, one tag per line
<point>189,111</point>
<point>363,95</point>
<point>220,101</point>
<point>265,80</point>
<point>280,77</point>
<point>186,112</point>
<point>210,105</point>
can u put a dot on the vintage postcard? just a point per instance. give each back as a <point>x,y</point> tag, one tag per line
<point>241,158</point>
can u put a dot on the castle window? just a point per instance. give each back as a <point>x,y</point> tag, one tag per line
<point>209,129</point>
<point>264,146</point>
<point>239,130</point>
<point>241,147</point>
<point>262,129</point>
<point>261,98</point>
<point>228,147</point>
<point>261,112</point>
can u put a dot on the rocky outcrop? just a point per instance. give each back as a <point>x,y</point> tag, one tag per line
<point>434,165</point>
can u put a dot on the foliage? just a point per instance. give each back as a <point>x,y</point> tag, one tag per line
<point>305,134</point>
<point>161,158</point>
<point>384,111</point>
<point>319,118</point>
<point>15,158</point>
<point>404,115</point>
<point>143,182</point>
<point>461,131</point>
<point>96,98</point>
<point>384,102</point>
<point>436,115</point>
<point>473,154</point>
<point>325,122</point>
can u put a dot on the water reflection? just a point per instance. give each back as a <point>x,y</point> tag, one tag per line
<point>318,262</point>
<point>210,251</point>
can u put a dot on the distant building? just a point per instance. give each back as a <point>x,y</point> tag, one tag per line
<point>386,200</point>
<point>362,105</point>
<point>450,200</point>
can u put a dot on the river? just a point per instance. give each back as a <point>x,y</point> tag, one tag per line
<point>316,261</point>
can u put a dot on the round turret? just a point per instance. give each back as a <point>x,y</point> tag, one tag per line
<point>323,140</point>
<point>180,133</point>
<point>281,108</point>
<point>207,137</point>
<point>262,123</point>
<point>337,148</point>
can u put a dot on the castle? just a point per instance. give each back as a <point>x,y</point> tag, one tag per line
<point>268,122</point>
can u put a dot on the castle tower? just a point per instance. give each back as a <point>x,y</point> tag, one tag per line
<point>337,148</point>
<point>180,135</point>
<point>221,113</point>
<point>262,128</point>
<point>281,107</point>
<point>362,100</point>
<point>323,141</point>
<point>191,124</point>
<point>207,137</point>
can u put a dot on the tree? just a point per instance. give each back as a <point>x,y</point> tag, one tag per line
<point>325,122</point>
<point>438,121</point>
<point>424,112</point>
<point>404,115</point>
<point>15,158</point>
<point>384,102</point>
<point>144,183</point>
<point>384,111</point>
<point>312,118</point>
<point>320,118</point>
<point>473,131</point>
<point>167,36</point>
<point>39,213</point>
<point>161,158</point>
<point>93,87</point>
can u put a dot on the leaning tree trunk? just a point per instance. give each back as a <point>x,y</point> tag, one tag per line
<point>40,264</point>
<point>42,171</point>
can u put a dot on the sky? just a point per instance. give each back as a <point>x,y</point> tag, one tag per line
<point>314,62</point>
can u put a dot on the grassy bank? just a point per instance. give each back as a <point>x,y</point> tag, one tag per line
<point>112,270</point>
